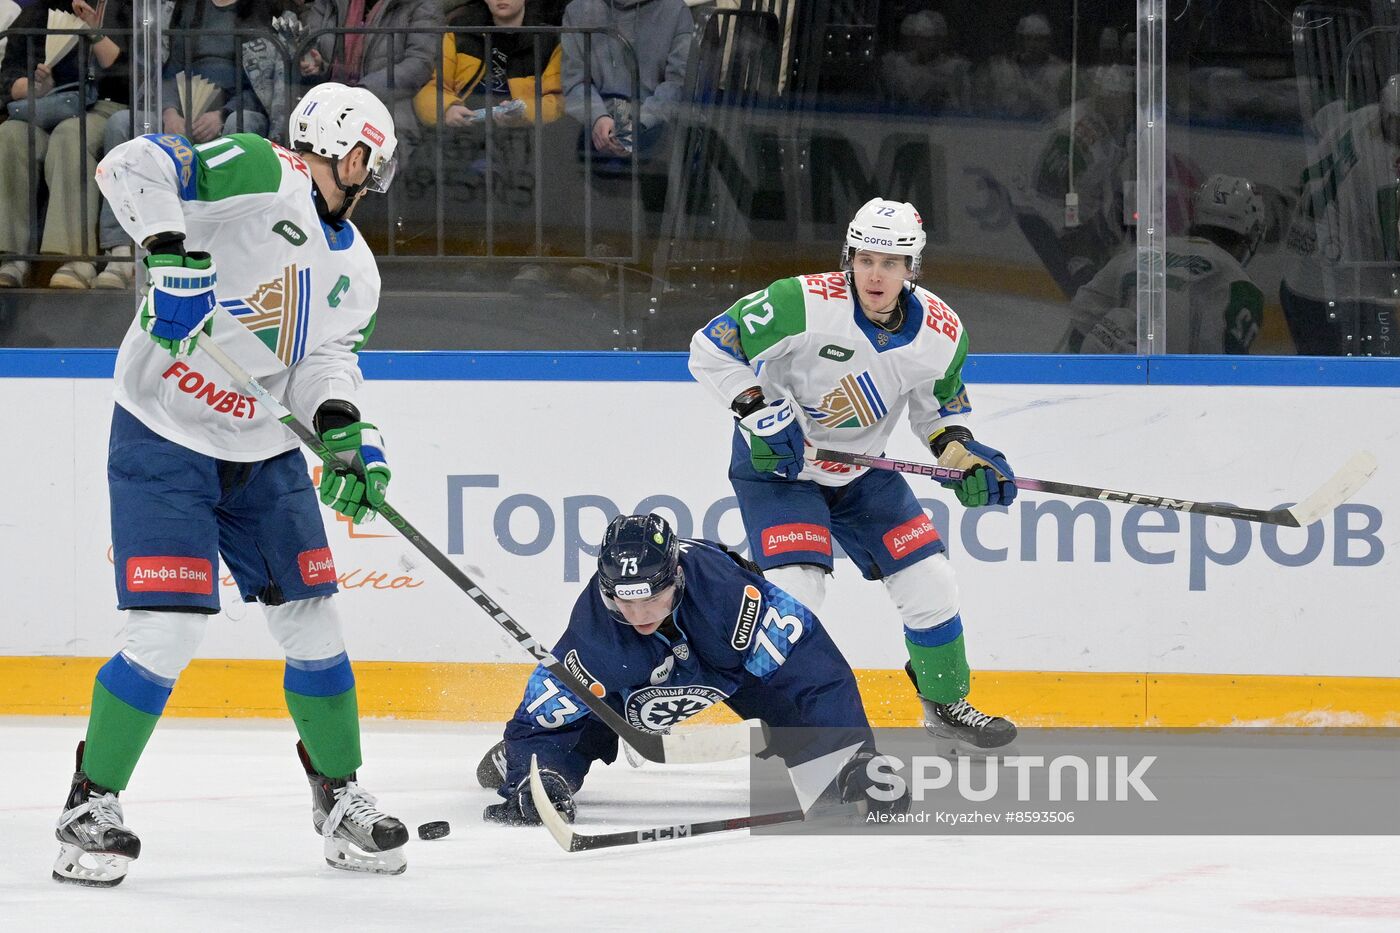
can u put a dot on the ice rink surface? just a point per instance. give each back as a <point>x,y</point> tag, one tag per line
<point>222,809</point>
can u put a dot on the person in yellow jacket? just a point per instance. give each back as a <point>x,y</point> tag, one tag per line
<point>510,76</point>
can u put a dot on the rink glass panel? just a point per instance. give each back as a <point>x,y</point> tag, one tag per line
<point>1013,130</point>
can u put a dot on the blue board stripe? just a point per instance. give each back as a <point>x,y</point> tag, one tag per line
<point>1275,371</point>
<point>602,366</point>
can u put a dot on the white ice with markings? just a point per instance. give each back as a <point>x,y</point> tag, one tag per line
<point>223,813</point>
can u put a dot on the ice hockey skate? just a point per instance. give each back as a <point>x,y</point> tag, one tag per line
<point>962,727</point>
<point>96,846</point>
<point>491,772</point>
<point>358,835</point>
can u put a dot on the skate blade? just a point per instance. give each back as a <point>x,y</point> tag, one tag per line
<point>950,746</point>
<point>347,857</point>
<point>92,869</point>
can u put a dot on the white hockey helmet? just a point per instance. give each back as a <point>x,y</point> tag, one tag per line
<point>1230,203</point>
<point>925,24</point>
<point>333,118</point>
<point>882,226</point>
<point>1033,24</point>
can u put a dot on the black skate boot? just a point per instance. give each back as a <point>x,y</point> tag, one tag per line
<point>95,847</point>
<point>359,837</point>
<point>968,729</point>
<point>491,773</point>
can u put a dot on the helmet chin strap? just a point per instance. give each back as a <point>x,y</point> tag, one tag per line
<point>337,217</point>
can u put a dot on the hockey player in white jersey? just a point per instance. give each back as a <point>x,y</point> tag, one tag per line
<point>249,244</point>
<point>1343,243</point>
<point>1212,304</point>
<point>833,360</point>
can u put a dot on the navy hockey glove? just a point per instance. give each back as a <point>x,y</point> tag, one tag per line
<point>989,480</point>
<point>519,808</point>
<point>775,439</point>
<point>856,784</point>
<point>359,488</point>
<point>180,299</point>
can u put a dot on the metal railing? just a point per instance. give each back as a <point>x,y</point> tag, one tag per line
<point>289,49</point>
<point>85,182</point>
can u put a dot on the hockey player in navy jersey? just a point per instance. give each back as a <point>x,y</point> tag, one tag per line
<point>668,627</point>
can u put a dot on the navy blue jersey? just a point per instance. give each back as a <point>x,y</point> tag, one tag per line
<point>735,638</point>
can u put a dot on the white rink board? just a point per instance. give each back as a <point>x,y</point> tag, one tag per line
<point>546,461</point>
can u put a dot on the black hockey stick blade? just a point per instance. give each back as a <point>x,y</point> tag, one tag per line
<point>713,743</point>
<point>571,841</point>
<point>1342,486</point>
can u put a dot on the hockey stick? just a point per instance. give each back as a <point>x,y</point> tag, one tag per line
<point>1341,487</point>
<point>716,743</point>
<point>571,841</point>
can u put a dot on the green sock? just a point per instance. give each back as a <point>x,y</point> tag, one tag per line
<point>330,729</point>
<point>940,668</point>
<point>321,699</point>
<point>127,702</point>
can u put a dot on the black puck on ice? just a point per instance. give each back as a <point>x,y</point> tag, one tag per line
<point>434,830</point>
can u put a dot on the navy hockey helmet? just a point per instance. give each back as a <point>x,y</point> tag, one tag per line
<point>639,558</point>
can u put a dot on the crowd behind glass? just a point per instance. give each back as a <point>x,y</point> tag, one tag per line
<point>1293,253</point>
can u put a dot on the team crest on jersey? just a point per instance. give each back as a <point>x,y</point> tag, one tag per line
<point>854,403</point>
<point>656,709</point>
<point>183,156</point>
<point>278,313</point>
<point>724,333</point>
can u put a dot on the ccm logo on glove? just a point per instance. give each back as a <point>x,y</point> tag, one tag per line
<point>775,439</point>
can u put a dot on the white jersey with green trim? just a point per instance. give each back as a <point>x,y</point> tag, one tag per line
<point>1212,305</point>
<point>1342,238</point>
<point>297,298</point>
<point>806,339</point>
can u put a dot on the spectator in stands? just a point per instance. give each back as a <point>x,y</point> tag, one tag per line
<point>9,10</point>
<point>598,91</point>
<point>1032,82</point>
<point>52,101</point>
<point>922,75</point>
<point>212,54</point>
<point>210,51</point>
<point>514,74</point>
<point>367,60</point>
<point>393,66</point>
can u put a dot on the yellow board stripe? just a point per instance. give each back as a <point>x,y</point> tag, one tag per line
<point>486,692</point>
